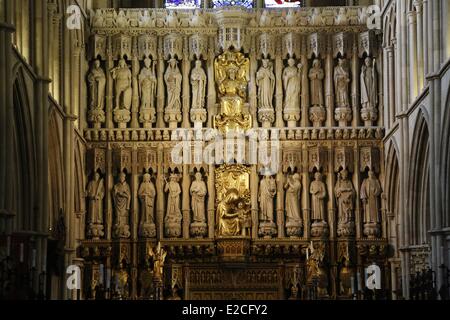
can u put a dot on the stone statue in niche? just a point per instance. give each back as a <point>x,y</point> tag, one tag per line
<point>198,84</point>
<point>122,199</point>
<point>291,18</point>
<point>122,284</point>
<point>370,193</point>
<point>122,20</point>
<point>123,90</point>
<point>316,75</point>
<point>341,82</point>
<point>147,194</point>
<point>147,89</point>
<point>97,84</point>
<point>173,215</point>
<point>369,91</point>
<point>317,113</point>
<point>291,83</point>
<point>293,188</point>
<point>198,193</point>
<point>265,80</point>
<point>318,192</point>
<point>145,20</point>
<point>95,193</point>
<point>171,20</point>
<point>267,192</point>
<point>173,79</point>
<point>345,194</point>
<point>98,20</point>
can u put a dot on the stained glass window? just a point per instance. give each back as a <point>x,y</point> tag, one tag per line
<point>232,3</point>
<point>183,4</point>
<point>282,3</point>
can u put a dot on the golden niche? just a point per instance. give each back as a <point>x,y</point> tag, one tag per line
<point>233,201</point>
<point>232,72</point>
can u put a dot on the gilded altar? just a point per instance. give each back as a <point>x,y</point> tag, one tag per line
<point>275,192</point>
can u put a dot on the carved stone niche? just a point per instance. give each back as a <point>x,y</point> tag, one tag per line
<point>98,46</point>
<point>367,43</point>
<point>343,159</point>
<point>369,159</point>
<point>291,45</point>
<point>122,160</point>
<point>122,45</point>
<point>291,160</point>
<point>317,159</point>
<point>147,46</point>
<point>96,159</point>
<point>342,44</point>
<point>266,45</point>
<point>231,22</point>
<point>316,45</point>
<point>147,159</point>
<point>173,46</point>
<point>198,46</point>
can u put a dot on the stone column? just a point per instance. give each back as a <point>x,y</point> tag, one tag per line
<point>109,183</point>
<point>305,198</point>
<point>281,221</point>
<point>253,100</point>
<point>391,84</point>
<point>412,44</point>
<point>304,91</point>
<point>185,205</point>
<point>186,102</point>
<point>420,47</point>
<point>254,185</point>
<point>211,202</point>
<point>134,186</point>
<point>109,86</point>
<point>329,88</point>
<point>279,91</point>
<point>160,89</point>
<point>211,102</point>
<point>160,195</point>
<point>135,100</point>
<point>355,87</point>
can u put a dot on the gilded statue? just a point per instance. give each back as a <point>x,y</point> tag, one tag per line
<point>158,255</point>
<point>232,76</point>
<point>229,220</point>
<point>122,282</point>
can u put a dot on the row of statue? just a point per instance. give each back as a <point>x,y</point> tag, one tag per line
<point>265,81</point>
<point>196,18</point>
<point>235,224</point>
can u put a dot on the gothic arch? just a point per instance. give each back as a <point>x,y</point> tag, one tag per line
<point>445,160</point>
<point>55,173</point>
<point>419,188</point>
<point>392,190</point>
<point>22,178</point>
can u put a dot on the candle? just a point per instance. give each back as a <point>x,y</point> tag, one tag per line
<point>101,274</point>
<point>33,259</point>
<point>358,277</point>
<point>352,280</point>
<point>21,252</point>
<point>108,278</point>
<point>8,246</point>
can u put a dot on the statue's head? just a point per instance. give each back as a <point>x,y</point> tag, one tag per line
<point>291,62</point>
<point>371,174</point>
<point>96,176</point>
<point>232,73</point>
<point>265,63</point>
<point>173,177</point>
<point>344,174</point>
<point>146,177</point>
<point>148,62</point>
<point>122,63</point>
<point>318,176</point>
<point>341,61</point>
<point>122,177</point>
<point>296,176</point>
<point>97,63</point>
<point>173,62</point>
<point>198,176</point>
<point>316,63</point>
<point>198,63</point>
<point>368,61</point>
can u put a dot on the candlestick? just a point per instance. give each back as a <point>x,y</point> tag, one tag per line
<point>352,279</point>
<point>108,278</point>
<point>358,277</point>
<point>21,252</point>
